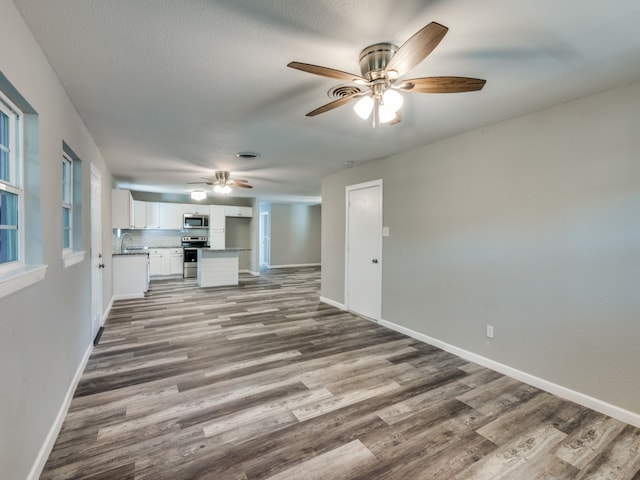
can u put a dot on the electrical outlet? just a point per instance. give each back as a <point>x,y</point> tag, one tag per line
<point>490,331</point>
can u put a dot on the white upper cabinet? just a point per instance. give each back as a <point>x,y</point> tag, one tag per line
<point>230,211</point>
<point>146,214</point>
<point>139,214</point>
<point>153,215</point>
<point>199,209</point>
<point>122,213</point>
<point>171,215</point>
<point>127,213</point>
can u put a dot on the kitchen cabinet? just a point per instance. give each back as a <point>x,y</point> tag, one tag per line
<point>231,211</point>
<point>217,239</point>
<point>122,209</point>
<point>217,217</point>
<point>139,214</point>
<point>156,261</point>
<point>197,208</point>
<point>165,261</point>
<point>217,224</point>
<point>146,214</point>
<point>171,215</point>
<point>153,215</point>
<point>176,263</point>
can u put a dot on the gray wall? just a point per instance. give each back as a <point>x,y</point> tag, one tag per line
<point>295,234</point>
<point>532,226</point>
<point>45,328</point>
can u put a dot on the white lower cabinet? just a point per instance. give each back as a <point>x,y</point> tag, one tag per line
<point>165,261</point>
<point>156,261</point>
<point>176,263</point>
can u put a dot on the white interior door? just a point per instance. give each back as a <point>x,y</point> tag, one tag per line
<point>97,261</point>
<point>364,249</point>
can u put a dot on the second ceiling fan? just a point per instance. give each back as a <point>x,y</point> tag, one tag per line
<point>382,65</point>
<point>223,183</point>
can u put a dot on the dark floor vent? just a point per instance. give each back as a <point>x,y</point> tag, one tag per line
<point>98,335</point>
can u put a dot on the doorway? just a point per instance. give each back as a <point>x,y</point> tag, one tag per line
<point>97,261</point>
<point>363,283</point>
<point>265,240</point>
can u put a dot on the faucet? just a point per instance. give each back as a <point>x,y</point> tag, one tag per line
<point>122,241</point>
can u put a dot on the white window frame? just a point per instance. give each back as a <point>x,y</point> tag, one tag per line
<point>72,199</point>
<point>67,202</point>
<point>14,183</point>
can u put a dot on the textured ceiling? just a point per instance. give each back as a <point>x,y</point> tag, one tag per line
<point>172,90</point>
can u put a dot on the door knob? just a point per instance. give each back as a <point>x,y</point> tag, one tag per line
<point>374,260</point>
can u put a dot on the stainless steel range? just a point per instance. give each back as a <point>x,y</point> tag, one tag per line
<point>191,245</point>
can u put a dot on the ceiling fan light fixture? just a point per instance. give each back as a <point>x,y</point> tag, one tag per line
<point>363,107</point>
<point>222,189</point>
<point>198,195</point>
<point>392,99</point>
<point>392,75</point>
<point>386,113</point>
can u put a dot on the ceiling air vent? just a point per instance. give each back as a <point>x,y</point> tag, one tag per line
<point>345,90</point>
<point>248,155</point>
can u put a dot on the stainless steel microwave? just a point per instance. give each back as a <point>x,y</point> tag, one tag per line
<point>195,221</point>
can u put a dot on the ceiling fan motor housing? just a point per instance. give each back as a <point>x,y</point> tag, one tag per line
<point>374,59</point>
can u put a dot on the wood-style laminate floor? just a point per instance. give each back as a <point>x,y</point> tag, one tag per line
<point>262,381</point>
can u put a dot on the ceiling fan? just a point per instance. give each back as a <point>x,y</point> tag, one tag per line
<point>382,65</point>
<point>222,183</point>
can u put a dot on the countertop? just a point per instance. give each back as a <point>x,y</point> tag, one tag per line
<point>226,249</point>
<point>139,250</point>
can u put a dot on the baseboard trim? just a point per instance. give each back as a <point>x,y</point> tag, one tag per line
<point>588,401</point>
<point>128,296</point>
<point>333,303</point>
<point>296,265</point>
<point>250,272</point>
<point>50,440</point>
<point>106,312</point>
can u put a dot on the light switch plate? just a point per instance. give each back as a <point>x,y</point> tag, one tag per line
<point>385,231</point>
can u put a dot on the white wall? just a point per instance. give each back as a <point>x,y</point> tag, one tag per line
<point>45,328</point>
<point>532,226</point>
<point>295,234</point>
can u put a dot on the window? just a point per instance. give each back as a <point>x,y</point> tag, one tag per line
<point>72,242</point>
<point>67,204</point>
<point>10,176</point>
<point>72,252</point>
<point>21,258</point>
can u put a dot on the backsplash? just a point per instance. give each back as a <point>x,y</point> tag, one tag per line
<point>154,238</point>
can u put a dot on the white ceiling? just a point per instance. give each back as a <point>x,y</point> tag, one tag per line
<point>171,90</point>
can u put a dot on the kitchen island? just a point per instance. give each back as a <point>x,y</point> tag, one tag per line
<point>130,274</point>
<point>218,267</point>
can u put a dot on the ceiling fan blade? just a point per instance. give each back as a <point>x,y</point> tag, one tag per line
<point>417,48</point>
<point>327,72</point>
<point>442,84</point>
<point>199,183</point>
<point>335,104</point>
<point>242,185</point>
<point>236,180</point>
